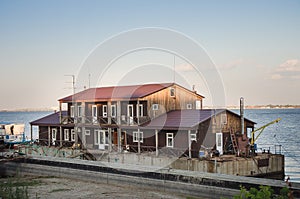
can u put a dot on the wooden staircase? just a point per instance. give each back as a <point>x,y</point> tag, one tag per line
<point>234,141</point>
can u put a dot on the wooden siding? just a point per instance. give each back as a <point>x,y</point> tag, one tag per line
<point>232,122</point>
<point>167,103</point>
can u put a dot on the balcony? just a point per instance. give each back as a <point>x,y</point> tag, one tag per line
<point>121,120</point>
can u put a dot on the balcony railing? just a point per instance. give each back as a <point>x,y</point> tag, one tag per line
<point>122,120</point>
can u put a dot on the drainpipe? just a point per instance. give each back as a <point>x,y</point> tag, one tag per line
<point>242,114</point>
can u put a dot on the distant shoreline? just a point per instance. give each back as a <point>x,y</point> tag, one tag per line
<point>266,107</point>
<point>53,109</point>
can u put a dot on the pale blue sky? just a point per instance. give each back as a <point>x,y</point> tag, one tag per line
<point>254,44</point>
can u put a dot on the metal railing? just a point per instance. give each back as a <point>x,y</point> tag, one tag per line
<point>120,120</point>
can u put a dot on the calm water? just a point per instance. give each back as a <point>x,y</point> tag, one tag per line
<point>285,133</point>
<point>24,118</point>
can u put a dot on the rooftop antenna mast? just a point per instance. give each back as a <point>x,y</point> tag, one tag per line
<point>75,108</point>
<point>174,71</point>
<point>89,80</point>
<point>73,82</point>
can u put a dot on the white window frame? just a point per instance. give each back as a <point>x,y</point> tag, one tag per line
<point>189,106</point>
<point>170,136</point>
<point>140,109</point>
<point>53,132</point>
<point>66,135</point>
<point>79,111</point>
<point>72,112</point>
<point>113,109</point>
<point>87,132</point>
<point>94,111</point>
<point>155,107</point>
<point>172,92</point>
<point>96,139</point>
<point>73,135</point>
<point>193,137</point>
<point>104,111</point>
<point>135,136</point>
<point>198,104</point>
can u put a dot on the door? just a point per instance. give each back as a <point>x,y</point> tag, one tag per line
<point>101,138</point>
<point>130,113</point>
<point>94,114</point>
<point>219,142</point>
<point>54,132</point>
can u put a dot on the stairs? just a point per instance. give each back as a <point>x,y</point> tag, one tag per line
<point>234,141</point>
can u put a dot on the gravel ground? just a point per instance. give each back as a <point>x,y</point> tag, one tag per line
<point>53,187</point>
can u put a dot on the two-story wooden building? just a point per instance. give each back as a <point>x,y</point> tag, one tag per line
<point>153,117</point>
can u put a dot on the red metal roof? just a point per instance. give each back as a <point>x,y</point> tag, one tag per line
<point>117,92</point>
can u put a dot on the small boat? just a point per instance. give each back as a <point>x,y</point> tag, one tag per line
<point>11,134</point>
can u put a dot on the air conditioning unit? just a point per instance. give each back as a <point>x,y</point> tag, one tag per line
<point>123,117</point>
<point>155,107</point>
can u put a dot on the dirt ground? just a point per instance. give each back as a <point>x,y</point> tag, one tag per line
<point>53,187</point>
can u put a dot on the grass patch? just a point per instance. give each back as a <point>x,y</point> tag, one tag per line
<point>22,183</point>
<point>16,187</point>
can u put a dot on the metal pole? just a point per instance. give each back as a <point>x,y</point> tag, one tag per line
<point>156,142</point>
<point>189,140</point>
<point>138,123</point>
<point>119,124</point>
<point>60,113</point>
<point>60,136</point>
<point>242,114</point>
<point>49,139</point>
<point>31,133</point>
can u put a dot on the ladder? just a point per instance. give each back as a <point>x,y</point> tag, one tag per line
<point>234,141</point>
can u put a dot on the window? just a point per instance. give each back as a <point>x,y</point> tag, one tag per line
<point>193,137</point>
<point>219,140</point>
<point>155,107</point>
<point>72,114</point>
<point>135,136</point>
<point>97,137</point>
<point>113,110</point>
<point>66,134</point>
<point>104,110</point>
<point>94,111</point>
<point>141,110</point>
<point>172,92</point>
<point>170,140</point>
<point>198,104</point>
<point>72,135</point>
<point>87,132</point>
<point>79,111</point>
<point>189,106</point>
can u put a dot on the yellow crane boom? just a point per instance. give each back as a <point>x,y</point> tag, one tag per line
<point>261,129</point>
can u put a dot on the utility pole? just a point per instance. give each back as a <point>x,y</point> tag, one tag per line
<point>75,109</point>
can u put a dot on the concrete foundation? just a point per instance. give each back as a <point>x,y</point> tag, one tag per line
<point>262,165</point>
